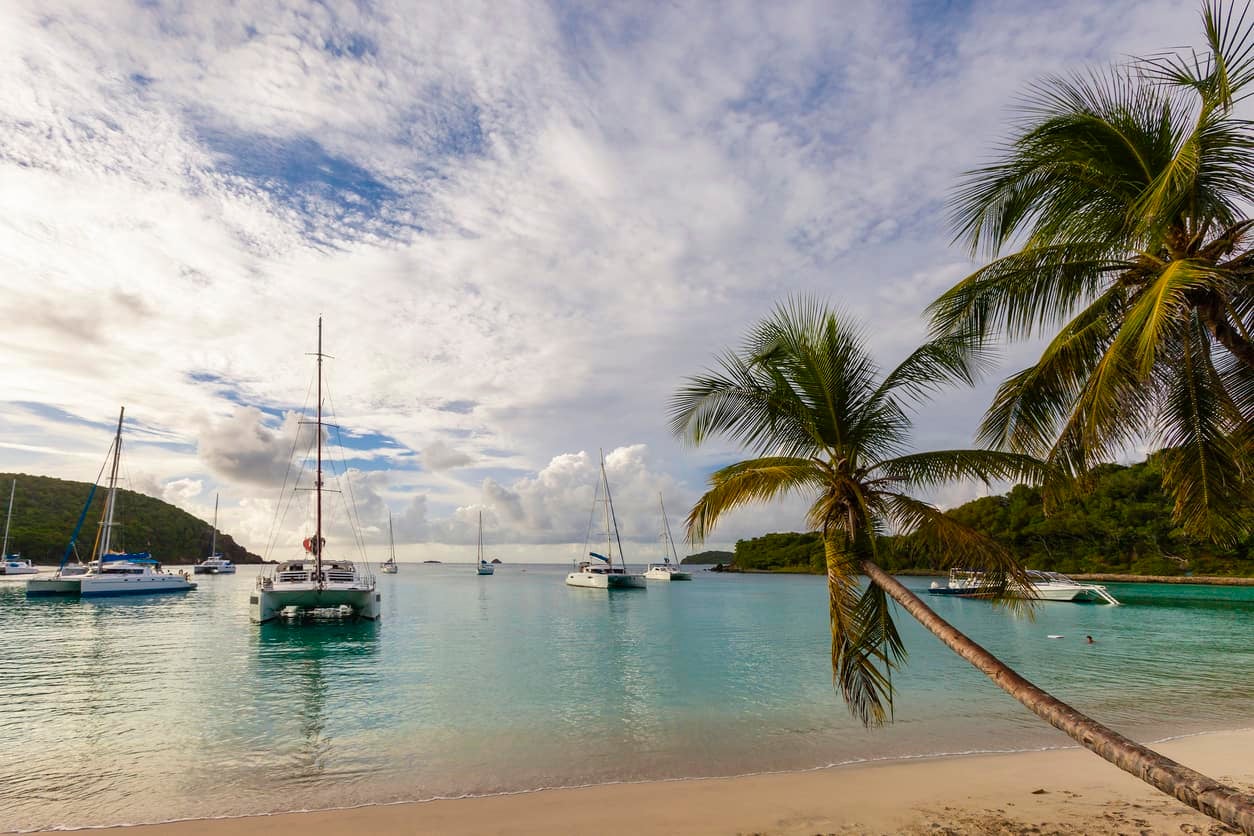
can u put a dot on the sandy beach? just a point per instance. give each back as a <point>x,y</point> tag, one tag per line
<point>1061,791</point>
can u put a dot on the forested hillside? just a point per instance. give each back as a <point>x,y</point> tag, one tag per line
<point>709,558</point>
<point>1120,524</point>
<point>45,510</point>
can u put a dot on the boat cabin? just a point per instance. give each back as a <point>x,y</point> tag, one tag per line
<point>304,571</point>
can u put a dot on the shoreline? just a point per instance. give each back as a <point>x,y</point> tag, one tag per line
<point>1062,788</point>
<point>1198,580</point>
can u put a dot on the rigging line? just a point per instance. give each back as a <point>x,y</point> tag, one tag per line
<point>609,500</point>
<point>287,498</point>
<point>354,515</point>
<point>274,522</point>
<point>587,538</point>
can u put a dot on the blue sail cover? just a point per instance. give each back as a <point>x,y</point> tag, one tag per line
<point>599,556</point>
<point>132,557</point>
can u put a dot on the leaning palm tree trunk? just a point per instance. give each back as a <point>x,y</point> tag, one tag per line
<point>1193,788</point>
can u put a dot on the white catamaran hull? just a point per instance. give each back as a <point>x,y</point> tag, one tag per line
<point>667,575</point>
<point>590,580</point>
<point>17,568</point>
<point>108,583</point>
<point>56,585</point>
<point>201,569</point>
<point>486,570</point>
<point>266,604</point>
<point>388,569</point>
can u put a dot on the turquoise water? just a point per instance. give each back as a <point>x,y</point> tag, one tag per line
<point>149,709</point>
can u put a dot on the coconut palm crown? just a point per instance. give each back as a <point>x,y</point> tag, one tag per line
<point>806,398</point>
<point>1117,221</point>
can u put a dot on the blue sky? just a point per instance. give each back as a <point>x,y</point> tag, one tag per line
<point>523,222</point>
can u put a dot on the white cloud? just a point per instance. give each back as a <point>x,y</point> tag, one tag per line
<point>523,227</point>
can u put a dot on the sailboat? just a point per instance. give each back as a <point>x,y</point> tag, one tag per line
<point>484,567</point>
<point>389,567</point>
<point>12,564</point>
<point>604,574</point>
<point>314,582</point>
<point>666,571</point>
<point>113,573</point>
<point>214,564</point>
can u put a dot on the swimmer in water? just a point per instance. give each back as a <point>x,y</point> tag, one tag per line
<point>1089,640</point>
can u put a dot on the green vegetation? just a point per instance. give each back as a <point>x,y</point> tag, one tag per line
<point>708,558</point>
<point>45,510</point>
<point>1120,525</point>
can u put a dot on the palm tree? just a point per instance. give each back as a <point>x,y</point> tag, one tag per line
<point>1118,216</point>
<point>806,399</point>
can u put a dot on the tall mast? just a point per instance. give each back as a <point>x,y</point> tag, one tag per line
<point>4,550</point>
<point>612,517</point>
<point>318,480</point>
<point>479,562</point>
<point>666,521</point>
<point>213,543</point>
<point>609,531</point>
<point>391,541</point>
<point>111,502</point>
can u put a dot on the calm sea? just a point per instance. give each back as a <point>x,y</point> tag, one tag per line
<point>159,708</point>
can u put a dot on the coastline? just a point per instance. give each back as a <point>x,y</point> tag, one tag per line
<point>1199,580</point>
<point>1053,790</point>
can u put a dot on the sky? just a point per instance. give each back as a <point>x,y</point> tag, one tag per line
<point>523,223</point>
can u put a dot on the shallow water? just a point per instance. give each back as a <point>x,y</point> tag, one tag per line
<point>149,709</point>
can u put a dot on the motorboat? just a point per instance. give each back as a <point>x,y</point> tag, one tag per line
<point>215,563</point>
<point>316,583</point>
<point>1041,586</point>
<point>666,570</point>
<point>604,574</point>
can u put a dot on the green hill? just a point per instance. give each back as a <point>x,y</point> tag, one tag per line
<point>45,510</point>
<point>1121,524</point>
<point>709,558</point>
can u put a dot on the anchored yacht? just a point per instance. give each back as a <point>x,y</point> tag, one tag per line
<point>389,567</point>
<point>483,567</point>
<point>1042,586</point>
<point>315,582</point>
<point>604,574</point>
<point>12,564</point>
<point>214,564</point>
<point>666,571</point>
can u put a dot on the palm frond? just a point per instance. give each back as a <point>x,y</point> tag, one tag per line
<point>860,665</point>
<point>749,482</point>
<point>938,467</point>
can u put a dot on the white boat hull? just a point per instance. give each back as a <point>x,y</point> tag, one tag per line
<point>18,569</point>
<point>592,580</point>
<point>268,603</point>
<point>388,569</point>
<point>57,585</point>
<point>213,570</point>
<point>110,583</point>
<point>486,570</point>
<point>666,575</point>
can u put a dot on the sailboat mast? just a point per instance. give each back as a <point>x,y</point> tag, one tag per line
<point>479,562</point>
<point>213,543</point>
<point>4,550</point>
<point>666,521</point>
<point>318,480</point>
<point>391,541</point>
<point>611,517</point>
<point>609,532</point>
<point>111,502</point>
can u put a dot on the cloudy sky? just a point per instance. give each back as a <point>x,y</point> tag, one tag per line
<point>524,223</point>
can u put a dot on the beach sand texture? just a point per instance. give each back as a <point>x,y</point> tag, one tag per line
<point>1061,791</point>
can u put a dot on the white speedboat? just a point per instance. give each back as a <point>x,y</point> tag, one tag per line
<point>112,573</point>
<point>314,582</point>
<point>666,571</point>
<point>389,567</point>
<point>214,564</point>
<point>1042,586</point>
<point>604,574</point>
<point>12,564</point>
<point>483,567</point>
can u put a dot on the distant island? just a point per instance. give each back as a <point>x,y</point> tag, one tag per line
<point>496,560</point>
<point>45,510</point>
<point>709,558</point>
<point>1121,525</point>
<point>433,561</point>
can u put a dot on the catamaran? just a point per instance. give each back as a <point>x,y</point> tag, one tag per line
<point>1043,586</point>
<point>214,564</point>
<point>388,567</point>
<point>12,564</point>
<point>315,583</point>
<point>604,574</point>
<point>484,567</point>
<point>666,571</point>
<point>111,573</point>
